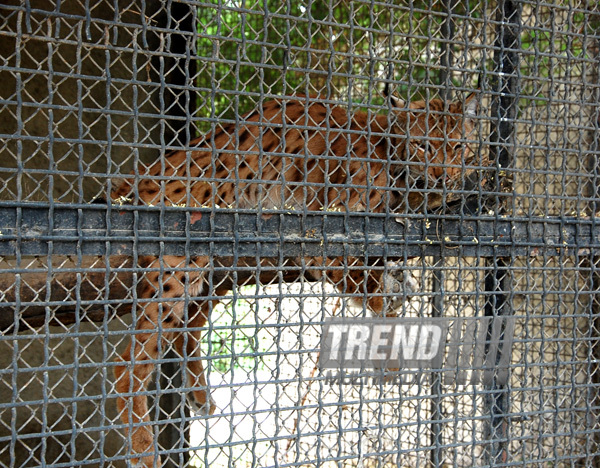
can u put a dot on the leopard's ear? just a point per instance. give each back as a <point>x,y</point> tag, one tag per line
<point>395,102</point>
<point>471,106</point>
<point>468,108</point>
<point>398,104</point>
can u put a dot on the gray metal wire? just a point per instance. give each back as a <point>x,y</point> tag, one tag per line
<point>91,91</point>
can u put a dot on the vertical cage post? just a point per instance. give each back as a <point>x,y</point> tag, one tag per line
<point>497,279</point>
<point>180,106</point>
<point>593,192</point>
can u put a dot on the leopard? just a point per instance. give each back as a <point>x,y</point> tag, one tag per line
<point>298,152</point>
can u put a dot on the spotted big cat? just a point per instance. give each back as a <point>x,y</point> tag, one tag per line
<point>292,153</point>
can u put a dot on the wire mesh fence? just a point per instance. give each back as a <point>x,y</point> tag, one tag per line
<point>190,189</point>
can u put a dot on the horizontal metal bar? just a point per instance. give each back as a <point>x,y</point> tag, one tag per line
<point>98,230</point>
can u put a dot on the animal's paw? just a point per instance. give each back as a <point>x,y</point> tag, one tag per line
<point>411,284</point>
<point>142,442</point>
<point>399,281</point>
<point>399,284</point>
<point>205,409</point>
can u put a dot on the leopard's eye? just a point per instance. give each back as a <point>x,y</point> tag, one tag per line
<point>459,147</point>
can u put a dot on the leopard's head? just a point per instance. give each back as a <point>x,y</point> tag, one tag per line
<point>435,137</point>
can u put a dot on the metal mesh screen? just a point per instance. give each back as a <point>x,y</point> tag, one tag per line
<point>153,196</point>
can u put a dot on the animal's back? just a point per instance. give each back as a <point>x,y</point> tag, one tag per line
<point>308,159</point>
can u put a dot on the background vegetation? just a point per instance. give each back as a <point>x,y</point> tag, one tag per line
<point>342,50</point>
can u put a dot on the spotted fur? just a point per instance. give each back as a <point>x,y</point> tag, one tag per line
<point>297,153</point>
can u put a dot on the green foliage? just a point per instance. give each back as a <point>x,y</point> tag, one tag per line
<point>249,50</point>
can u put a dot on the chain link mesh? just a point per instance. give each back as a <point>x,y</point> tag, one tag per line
<point>93,92</point>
